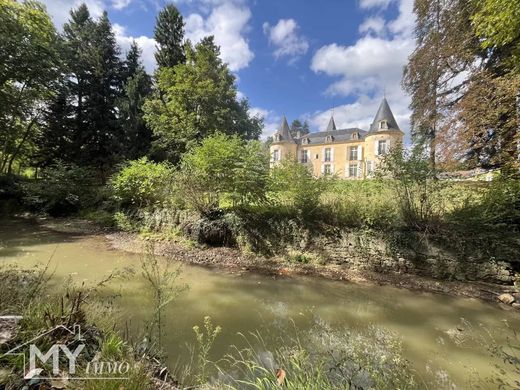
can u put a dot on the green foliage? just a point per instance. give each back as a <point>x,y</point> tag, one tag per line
<point>137,86</point>
<point>356,203</point>
<point>29,63</point>
<point>83,124</point>
<point>498,22</point>
<point>197,99</point>
<point>112,347</point>
<point>415,186</point>
<point>143,184</point>
<point>224,166</point>
<point>324,358</point>
<point>205,339</point>
<point>169,34</point>
<point>62,189</point>
<point>292,183</point>
<point>161,279</point>
<point>497,209</point>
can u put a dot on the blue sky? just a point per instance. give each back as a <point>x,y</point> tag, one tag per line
<point>293,57</point>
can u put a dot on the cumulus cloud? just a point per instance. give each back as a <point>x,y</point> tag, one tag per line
<point>361,113</point>
<point>120,4</point>
<point>367,68</point>
<point>59,10</point>
<point>146,44</point>
<point>367,4</point>
<point>285,38</point>
<point>228,23</point>
<point>271,120</point>
<point>374,24</point>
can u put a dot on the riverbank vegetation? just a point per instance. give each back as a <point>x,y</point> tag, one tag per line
<point>175,154</point>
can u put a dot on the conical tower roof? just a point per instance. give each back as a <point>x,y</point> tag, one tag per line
<point>332,125</point>
<point>284,131</point>
<point>384,113</point>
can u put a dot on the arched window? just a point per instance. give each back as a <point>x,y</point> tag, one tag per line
<point>305,141</point>
<point>355,135</point>
<point>329,138</point>
<point>383,125</point>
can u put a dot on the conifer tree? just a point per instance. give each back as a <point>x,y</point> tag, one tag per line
<point>137,87</point>
<point>169,35</point>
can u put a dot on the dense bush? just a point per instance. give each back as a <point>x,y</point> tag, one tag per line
<point>62,189</point>
<point>224,167</point>
<point>367,203</point>
<point>415,187</point>
<point>292,183</point>
<point>498,208</point>
<point>144,184</point>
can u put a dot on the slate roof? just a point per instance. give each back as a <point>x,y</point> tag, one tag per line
<point>284,131</point>
<point>384,113</point>
<point>338,135</point>
<point>332,125</point>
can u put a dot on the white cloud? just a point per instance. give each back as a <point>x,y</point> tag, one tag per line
<point>285,38</point>
<point>59,10</point>
<point>405,23</point>
<point>365,69</point>
<point>120,4</point>
<point>227,22</point>
<point>374,24</point>
<point>271,120</point>
<point>361,113</point>
<point>146,44</point>
<point>366,4</point>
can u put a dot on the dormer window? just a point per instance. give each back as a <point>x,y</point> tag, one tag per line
<point>277,137</point>
<point>329,138</point>
<point>355,135</point>
<point>305,141</point>
<point>383,125</point>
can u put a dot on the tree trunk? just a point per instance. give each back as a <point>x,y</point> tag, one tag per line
<point>19,147</point>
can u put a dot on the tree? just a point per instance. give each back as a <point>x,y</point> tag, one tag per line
<point>446,47</point>
<point>197,99</point>
<point>83,122</point>
<point>486,133</point>
<point>29,65</point>
<point>137,87</point>
<point>169,35</point>
<point>104,137</point>
<point>497,22</point>
<point>298,126</point>
<point>224,165</point>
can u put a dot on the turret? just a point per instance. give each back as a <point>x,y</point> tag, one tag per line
<point>283,144</point>
<point>384,134</point>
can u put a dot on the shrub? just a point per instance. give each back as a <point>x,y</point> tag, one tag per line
<point>415,185</point>
<point>367,203</point>
<point>224,166</point>
<point>293,184</point>
<point>62,189</point>
<point>496,208</point>
<point>143,184</point>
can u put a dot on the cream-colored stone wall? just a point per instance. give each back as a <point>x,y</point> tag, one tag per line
<point>340,154</point>
<point>371,145</point>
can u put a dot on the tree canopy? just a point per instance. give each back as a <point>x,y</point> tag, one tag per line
<point>196,99</point>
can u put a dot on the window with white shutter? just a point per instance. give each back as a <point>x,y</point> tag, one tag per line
<point>353,170</point>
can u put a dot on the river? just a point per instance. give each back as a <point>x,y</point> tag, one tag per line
<point>245,302</point>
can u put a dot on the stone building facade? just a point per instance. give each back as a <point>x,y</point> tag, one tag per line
<point>348,153</point>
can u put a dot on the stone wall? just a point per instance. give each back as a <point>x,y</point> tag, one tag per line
<point>368,250</point>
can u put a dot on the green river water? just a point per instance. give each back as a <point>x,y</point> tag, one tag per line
<point>248,302</point>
